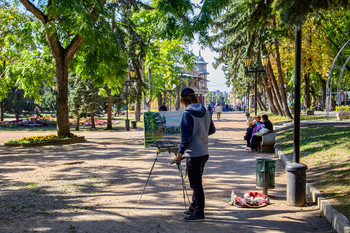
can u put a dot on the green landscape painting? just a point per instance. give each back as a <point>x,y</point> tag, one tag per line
<point>162,129</point>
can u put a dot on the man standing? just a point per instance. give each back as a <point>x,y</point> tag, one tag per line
<point>211,108</point>
<point>196,125</point>
<point>218,111</point>
<point>163,107</point>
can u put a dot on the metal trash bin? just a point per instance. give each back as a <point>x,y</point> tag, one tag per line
<point>134,124</point>
<point>267,165</point>
<point>296,184</point>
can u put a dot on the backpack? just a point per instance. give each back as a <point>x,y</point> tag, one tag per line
<point>209,108</point>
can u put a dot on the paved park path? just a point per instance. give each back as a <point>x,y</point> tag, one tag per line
<point>43,190</point>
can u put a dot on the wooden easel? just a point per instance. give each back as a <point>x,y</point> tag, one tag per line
<point>160,149</point>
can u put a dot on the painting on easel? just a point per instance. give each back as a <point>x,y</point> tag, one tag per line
<point>162,128</point>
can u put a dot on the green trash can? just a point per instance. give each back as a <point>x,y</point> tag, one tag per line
<point>261,166</point>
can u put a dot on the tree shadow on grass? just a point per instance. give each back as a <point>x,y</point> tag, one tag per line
<point>321,137</point>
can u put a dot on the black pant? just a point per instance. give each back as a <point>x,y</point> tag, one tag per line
<point>195,167</point>
<point>255,141</point>
<point>248,141</point>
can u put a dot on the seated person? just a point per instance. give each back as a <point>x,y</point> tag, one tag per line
<point>267,123</point>
<point>250,129</point>
<point>255,140</point>
<point>248,134</point>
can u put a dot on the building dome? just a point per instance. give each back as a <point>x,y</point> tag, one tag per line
<point>200,59</point>
<point>201,65</point>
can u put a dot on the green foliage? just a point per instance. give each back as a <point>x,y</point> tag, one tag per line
<point>342,108</point>
<point>164,58</point>
<point>174,20</point>
<point>101,58</point>
<point>83,96</point>
<point>25,63</point>
<point>16,102</point>
<point>295,12</point>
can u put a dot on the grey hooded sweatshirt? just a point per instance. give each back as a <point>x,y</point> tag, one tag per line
<point>196,125</point>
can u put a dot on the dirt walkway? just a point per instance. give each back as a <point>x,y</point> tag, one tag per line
<point>41,194</point>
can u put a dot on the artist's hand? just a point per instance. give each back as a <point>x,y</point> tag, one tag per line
<point>177,159</point>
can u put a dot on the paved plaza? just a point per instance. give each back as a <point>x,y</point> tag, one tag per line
<point>94,187</point>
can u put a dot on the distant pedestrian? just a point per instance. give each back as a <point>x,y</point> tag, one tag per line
<point>211,108</point>
<point>163,107</point>
<point>37,111</point>
<point>341,97</point>
<point>218,111</point>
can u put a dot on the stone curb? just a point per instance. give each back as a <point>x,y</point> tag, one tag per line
<point>339,222</point>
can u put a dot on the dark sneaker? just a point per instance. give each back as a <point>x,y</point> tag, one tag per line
<point>194,218</point>
<point>187,212</point>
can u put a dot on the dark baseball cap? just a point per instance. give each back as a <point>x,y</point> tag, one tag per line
<point>187,91</point>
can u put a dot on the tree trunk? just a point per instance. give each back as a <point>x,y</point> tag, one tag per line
<point>92,117</point>
<point>63,126</point>
<point>261,104</point>
<point>109,112</point>
<point>307,100</point>
<point>2,102</point>
<point>313,98</point>
<point>78,122</point>
<point>150,94</point>
<point>138,108</point>
<point>324,94</point>
<point>269,96</point>
<point>274,89</point>
<point>280,75</point>
<point>1,110</point>
<point>160,99</point>
<point>177,101</point>
<point>139,92</point>
<point>165,96</point>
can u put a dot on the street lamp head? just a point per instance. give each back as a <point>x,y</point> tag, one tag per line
<point>132,73</point>
<point>247,61</point>
<point>265,60</point>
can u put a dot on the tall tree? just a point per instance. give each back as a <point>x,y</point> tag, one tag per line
<point>66,24</point>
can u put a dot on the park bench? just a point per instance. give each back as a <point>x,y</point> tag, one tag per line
<point>268,142</point>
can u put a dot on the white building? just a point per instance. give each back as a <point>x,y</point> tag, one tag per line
<point>197,79</point>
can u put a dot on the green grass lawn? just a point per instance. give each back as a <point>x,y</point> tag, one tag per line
<point>275,119</point>
<point>325,150</point>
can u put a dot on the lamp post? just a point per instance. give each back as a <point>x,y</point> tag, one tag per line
<point>296,171</point>
<point>247,62</point>
<point>131,74</point>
